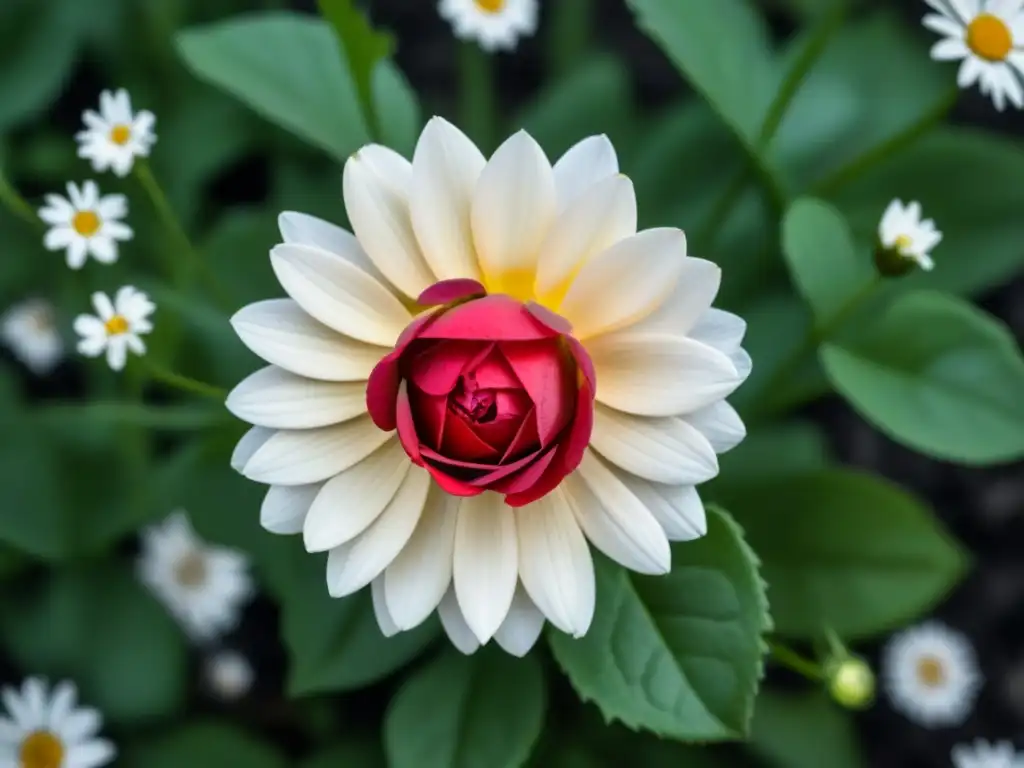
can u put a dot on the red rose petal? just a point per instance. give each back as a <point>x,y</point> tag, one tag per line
<point>526,438</point>
<point>447,291</point>
<point>529,476</point>
<point>494,372</point>
<point>491,318</point>
<point>497,473</point>
<point>462,443</point>
<point>436,369</point>
<point>382,385</point>
<point>429,413</point>
<point>406,426</point>
<point>452,485</point>
<point>552,320</point>
<point>539,365</point>
<point>583,361</point>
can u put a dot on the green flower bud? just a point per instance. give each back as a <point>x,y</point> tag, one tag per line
<point>851,683</point>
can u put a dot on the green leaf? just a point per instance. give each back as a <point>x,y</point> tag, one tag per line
<point>239,244</point>
<point>99,627</point>
<point>349,755</point>
<point>782,449</point>
<point>288,68</point>
<point>67,418</point>
<point>844,550</point>
<point>204,745</point>
<point>938,375</point>
<point>804,731</point>
<point>465,711</point>
<point>681,654</point>
<point>822,258</point>
<point>397,108</point>
<point>11,561</point>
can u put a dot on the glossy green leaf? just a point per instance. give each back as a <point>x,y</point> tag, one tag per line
<point>681,654</point>
<point>204,745</point>
<point>464,711</point>
<point>357,754</point>
<point>804,730</point>
<point>844,550</point>
<point>781,449</point>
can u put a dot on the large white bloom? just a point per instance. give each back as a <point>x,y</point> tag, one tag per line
<point>117,326</point>
<point>982,754</point>
<point>564,236</point>
<point>85,223</point>
<point>494,24</point>
<point>115,136</point>
<point>205,587</point>
<point>47,729</point>
<point>903,231</point>
<point>29,329</point>
<point>988,36</point>
<point>931,674</point>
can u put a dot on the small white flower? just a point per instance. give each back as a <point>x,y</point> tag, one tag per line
<point>46,729</point>
<point>229,675</point>
<point>116,327</point>
<point>85,223</point>
<point>905,233</point>
<point>114,137</point>
<point>931,675</point>
<point>982,754</point>
<point>29,328</point>
<point>203,586</point>
<point>988,37</point>
<point>494,24</point>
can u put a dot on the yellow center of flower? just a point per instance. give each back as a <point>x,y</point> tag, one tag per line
<point>490,6</point>
<point>116,325</point>
<point>86,223</point>
<point>989,37</point>
<point>41,749</point>
<point>190,570</point>
<point>903,242</point>
<point>120,134</point>
<point>931,671</point>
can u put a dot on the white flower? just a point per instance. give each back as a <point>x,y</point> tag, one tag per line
<point>205,587</point>
<point>85,223</point>
<point>116,327</point>
<point>229,675</point>
<point>114,137</point>
<point>982,754</point>
<point>988,36</point>
<point>29,328</point>
<point>494,24</point>
<point>551,246</point>
<point>931,674</point>
<point>46,729</point>
<point>903,232</point>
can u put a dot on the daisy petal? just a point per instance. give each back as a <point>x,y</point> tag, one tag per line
<point>285,507</point>
<point>388,628</point>
<point>720,424</point>
<point>584,165</point>
<point>303,229</point>
<point>677,508</point>
<point>520,630</point>
<point>273,397</point>
<point>455,625</point>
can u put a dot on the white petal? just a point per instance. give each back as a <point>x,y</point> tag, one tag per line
<point>251,442</point>
<point>513,209</point>
<point>62,702</point>
<point>422,572</point>
<point>485,566</point>
<point>720,424</point>
<point>719,329</point>
<point>659,375</point>
<point>520,630</point>
<point>584,165</point>
<point>376,185</point>
<point>303,229</point>
<point>59,238</point>
<point>665,450</point>
<point>34,696</point>
<point>455,625</point>
<point>690,299</point>
<point>445,169</point>
<point>117,352</point>
<point>92,754</point>
<point>350,502</point>
<point>339,294</point>
<point>615,519</point>
<point>950,49</point>
<point>281,333</point>
<point>625,283</point>
<point>81,724</point>
<point>285,507</point>
<point>388,628</point>
<point>273,397</point>
<point>298,457</point>
<point>355,564</point>
<point>677,508</point>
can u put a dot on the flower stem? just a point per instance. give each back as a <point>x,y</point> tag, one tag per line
<point>478,105</point>
<point>18,205</point>
<point>184,383</point>
<point>790,659</point>
<point>569,34</point>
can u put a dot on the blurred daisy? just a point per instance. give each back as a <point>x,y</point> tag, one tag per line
<point>494,24</point>
<point>931,675</point>
<point>202,585</point>
<point>116,327</point>
<point>114,136</point>
<point>905,239</point>
<point>229,675</point>
<point>988,37</point>
<point>29,329</point>
<point>982,754</point>
<point>85,223</point>
<point>46,729</point>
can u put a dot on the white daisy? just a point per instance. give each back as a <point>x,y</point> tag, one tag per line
<point>982,754</point>
<point>229,675</point>
<point>116,327</point>
<point>85,223</point>
<point>494,24</point>
<point>47,729</point>
<point>114,136</point>
<point>931,675</point>
<point>29,329</point>
<point>429,415</point>
<point>205,587</point>
<point>906,238</point>
<point>988,36</point>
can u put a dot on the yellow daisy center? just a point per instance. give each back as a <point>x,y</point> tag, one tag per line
<point>86,223</point>
<point>989,37</point>
<point>490,6</point>
<point>931,672</point>
<point>41,749</point>
<point>120,134</point>
<point>903,242</point>
<point>190,570</point>
<point>116,325</point>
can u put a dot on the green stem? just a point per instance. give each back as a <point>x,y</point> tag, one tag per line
<point>789,658</point>
<point>478,104</point>
<point>184,383</point>
<point>18,205</point>
<point>569,33</point>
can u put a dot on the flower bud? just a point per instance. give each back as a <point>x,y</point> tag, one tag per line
<point>851,683</point>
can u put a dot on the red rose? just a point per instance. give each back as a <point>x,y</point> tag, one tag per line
<point>487,393</point>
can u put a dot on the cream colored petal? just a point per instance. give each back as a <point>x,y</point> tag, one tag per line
<point>455,625</point>
<point>691,299</point>
<point>720,424</point>
<point>625,283</point>
<point>387,625</point>
<point>339,294</point>
<point>376,185</point>
<point>521,629</point>
<point>445,170</point>
<point>281,333</point>
<point>664,450</point>
<point>584,165</point>
<point>285,507</point>
<point>719,329</point>
<point>298,457</point>
<point>677,508</point>
<point>303,229</point>
<point>486,562</point>
<point>352,500</point>
<point>251,442</point>
<point>273,397</point>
